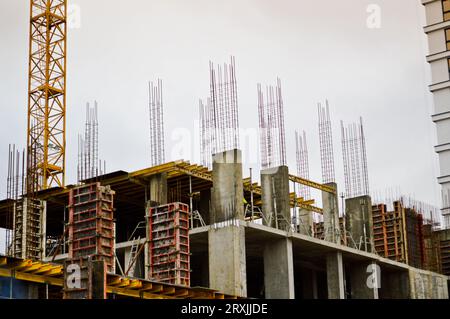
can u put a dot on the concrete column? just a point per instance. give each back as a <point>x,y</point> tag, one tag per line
<point>226,239</point>
<point>158,197</point>
<point>364,280</point>
<point>227,194</point>
<point>331,215</point>
<point>335,276</point>
<point>275,197</point>
<point>279,270</point>
<point>306,222</point>
<point>359,222</point>
<point>158,189</point>
<point>227,263</point>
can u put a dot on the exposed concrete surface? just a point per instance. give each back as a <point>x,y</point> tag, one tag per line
<point>306,222</point>
<point>427,285</point>
<point>227,262</point>
<point>158,190</point>
<point>331,215</point>
<point>335,276</point>
<point>279,269</point>
<point>275,197</point>
<point>227,194</point>
<point>359,222</point>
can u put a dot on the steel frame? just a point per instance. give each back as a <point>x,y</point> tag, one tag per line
<point>46,143</point>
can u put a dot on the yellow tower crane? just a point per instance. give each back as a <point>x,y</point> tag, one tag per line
<point>46,142</point>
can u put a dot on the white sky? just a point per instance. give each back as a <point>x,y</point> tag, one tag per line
<point>320,49</point>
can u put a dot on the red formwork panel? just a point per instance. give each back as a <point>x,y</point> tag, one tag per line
<point>169,251</point>
<point>91,224</point>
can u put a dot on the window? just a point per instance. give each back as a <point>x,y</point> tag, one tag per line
<point>446,9</point>
<point>447,38</point>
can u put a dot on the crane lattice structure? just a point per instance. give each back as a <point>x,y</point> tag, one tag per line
<point>46,142</point>
<point>271,125</point>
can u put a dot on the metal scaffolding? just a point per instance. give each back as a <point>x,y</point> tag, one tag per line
<point>355,160</point>
<point>14,190</point>
<point>326,144</point>
<point>157,144</point>
<point>271,126</point>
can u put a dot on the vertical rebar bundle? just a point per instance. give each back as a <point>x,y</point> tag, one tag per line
<point>326,144</point>
<point>271,125</point>
<point>15,185</point>
<point>89,166</point>
<point>219,116</point>
<point>302,163</point>
<point>224,104</point>
<point>355,160</point>
<point>207,131</point>
<point>157,144</point>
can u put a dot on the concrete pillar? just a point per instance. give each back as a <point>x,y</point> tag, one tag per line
<point>227,194</point>
<point>158,197</point>
<point>227,263</point>
<point>226,239</point>
<point>158,190</point>
<point>335,276</point>
<point>359,222</point>
<point>364,280</point>
<point>306,222</point>
<point>279,270</point>
<point>275,197</point>
<point>331,215</point>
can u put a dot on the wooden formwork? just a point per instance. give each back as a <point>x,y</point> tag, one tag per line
<point>169,251</point>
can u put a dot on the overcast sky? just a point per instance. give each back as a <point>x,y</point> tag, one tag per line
<point>319,49</point>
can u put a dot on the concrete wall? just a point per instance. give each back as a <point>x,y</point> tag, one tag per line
<point>158,190</point>
<point>279,270</point>
<point>427,285</point>
<point>335,276</point>
<point>227,194</point>
<point>227,263</point>
<point>306,222</point>
<point>275,197</point>
<point>359,222</point>
<point>331,215</point>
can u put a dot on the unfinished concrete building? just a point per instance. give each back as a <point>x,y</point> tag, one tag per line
<point>180,230</point>
<point>228,251</point>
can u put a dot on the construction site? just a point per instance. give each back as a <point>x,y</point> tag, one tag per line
<point>209,230</point>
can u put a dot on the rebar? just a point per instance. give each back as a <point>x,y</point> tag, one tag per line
<point>271,126</point>
<point>326,144</point>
